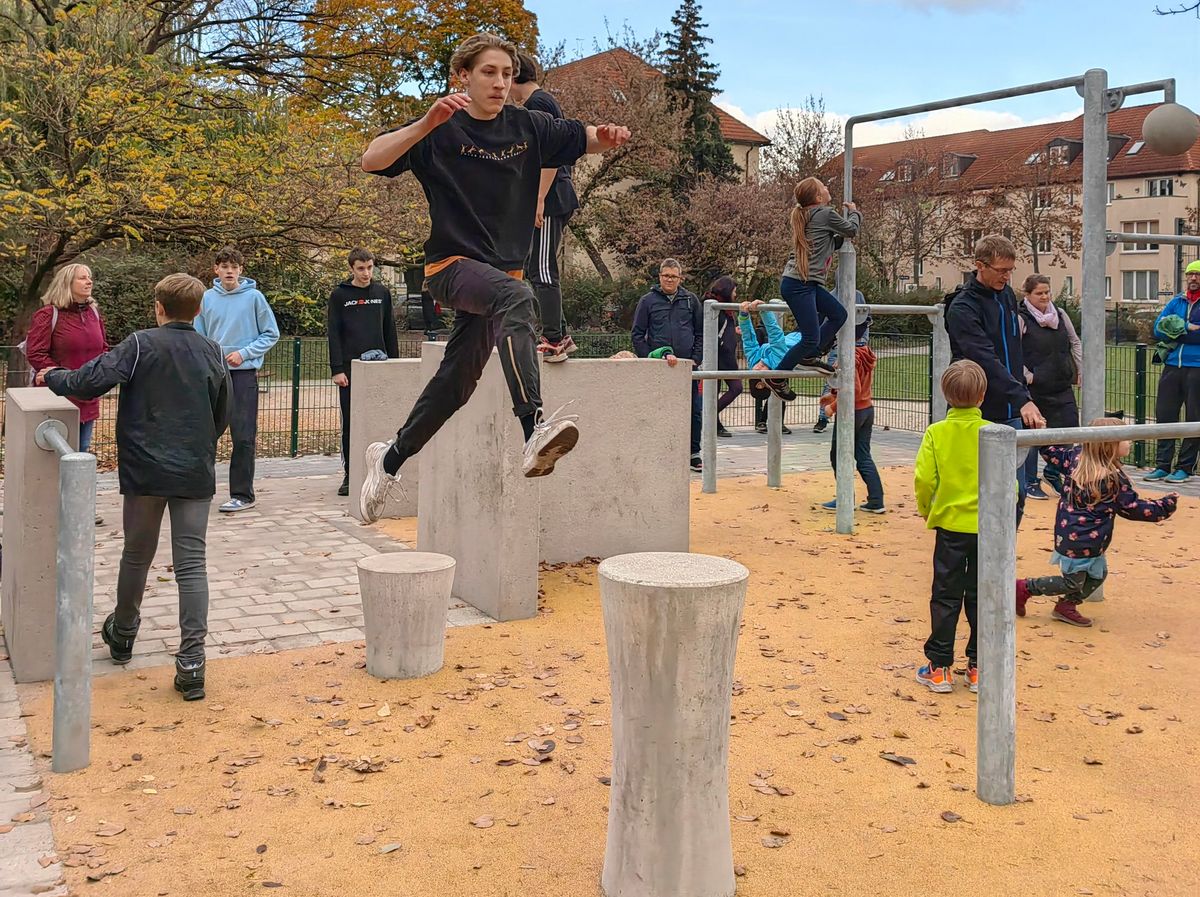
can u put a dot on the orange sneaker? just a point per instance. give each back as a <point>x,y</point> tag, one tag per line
<point>938,679</point>
<point>972,678</point>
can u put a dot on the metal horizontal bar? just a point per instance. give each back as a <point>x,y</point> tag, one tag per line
<point>1166,85</point>
<point>808,373</point>
<point>1069,435</point>
<point>57,442</point>
<point>928,310</point>
<point>971,99</point>
<point>1180,239</point>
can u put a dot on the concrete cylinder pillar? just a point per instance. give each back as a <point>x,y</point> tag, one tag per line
<point>671,623</point>
<point>405,596</point>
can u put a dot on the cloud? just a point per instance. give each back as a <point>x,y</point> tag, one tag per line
<point>945,121</point>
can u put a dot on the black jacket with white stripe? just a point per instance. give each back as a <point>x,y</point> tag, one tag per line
<point>174,405</point>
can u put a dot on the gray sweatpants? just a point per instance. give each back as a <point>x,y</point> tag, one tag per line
<point>143,516</point>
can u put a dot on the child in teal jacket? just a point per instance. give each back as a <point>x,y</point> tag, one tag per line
<point>772,351</point>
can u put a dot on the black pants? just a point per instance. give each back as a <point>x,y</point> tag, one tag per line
<point>955,587</point>
<point>142,518</point>
<point>697,412</point>
<point>542,269</point>
<point>243,432</point>
<point>491,310</point>
<point>344,401</point>
<point>760,411</point>
<point>864,423</point>
<point>1060,410</point>
<point>1074,587</point>
<point>428,314</point>
<point>1178,389</point>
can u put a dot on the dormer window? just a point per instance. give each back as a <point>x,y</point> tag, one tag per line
<point>1060,155</point>
<point>954,164</point>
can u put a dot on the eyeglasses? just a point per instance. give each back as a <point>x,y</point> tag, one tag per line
<point>1006,272</point>
<point>670,276</point>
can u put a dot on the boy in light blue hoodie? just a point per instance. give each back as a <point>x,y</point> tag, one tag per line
<point>236,315</point>
<point>766,355</point>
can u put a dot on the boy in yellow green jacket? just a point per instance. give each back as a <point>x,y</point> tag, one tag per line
<point>946,480</point>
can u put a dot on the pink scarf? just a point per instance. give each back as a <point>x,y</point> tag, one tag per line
<point>1047,318</point>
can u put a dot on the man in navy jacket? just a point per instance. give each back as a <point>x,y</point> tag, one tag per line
<point>669,317</point>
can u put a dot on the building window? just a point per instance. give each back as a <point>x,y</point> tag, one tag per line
<point>1140,286</point>
<point>1136,148</point>
<point>919,269</point>
<point>1139,227</point>
<point>937,283</point>
<point>1160,187</point>
<point>1112,193</point>
<point>939,246</point>
<point>971,236</point>
<point>888,176</point>
<point>1035,157</point>
<point>1044,243</point>
<point>1043,199</point>
<point>1060,154</point>
<point>1069,285</point>
<point>906,172</point>
<point>1108,288</point>
<point>1070,241</point>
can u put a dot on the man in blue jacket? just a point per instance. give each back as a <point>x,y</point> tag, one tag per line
<point>236,316</point>
<point>669,317</point>
<point>982,322</point>
<point>1179,383</point>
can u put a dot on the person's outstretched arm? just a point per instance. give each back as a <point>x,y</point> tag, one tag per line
<point>386,150</point>
<point>99,375</point>
<point>1147,510</point>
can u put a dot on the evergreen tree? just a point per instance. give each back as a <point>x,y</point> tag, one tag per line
<point>691,81</point>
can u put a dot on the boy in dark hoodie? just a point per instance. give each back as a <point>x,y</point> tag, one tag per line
<point>174,405</point>
<point>982,322</point>
<point>359,321</point>
<point>237,317</point>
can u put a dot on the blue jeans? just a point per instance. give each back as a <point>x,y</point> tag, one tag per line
<point>864,421</point>
<point>819,315</point>
<point>85,436</point>
<point>1017,424</point>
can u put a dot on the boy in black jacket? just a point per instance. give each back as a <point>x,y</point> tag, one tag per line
<point>359,320</point>
<point>173,407</point>
<point>982,322</point>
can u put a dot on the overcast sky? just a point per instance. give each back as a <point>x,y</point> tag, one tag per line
<point>867,55</point>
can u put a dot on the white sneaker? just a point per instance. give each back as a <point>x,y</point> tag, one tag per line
<point>552,438</point>
<point>377,485</point>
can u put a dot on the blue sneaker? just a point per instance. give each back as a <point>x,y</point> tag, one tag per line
<point>1157,474</point>
<point>1179,476</point>
<point>830,505</point>
<point>234,505</point>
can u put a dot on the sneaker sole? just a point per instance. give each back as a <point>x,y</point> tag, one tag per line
<point>225,510</point>
<point>1055,615</point>
<point>556,358</point>
<point>973,689</point>
<point>560,443</point>
<point>369,507</point>
<point>872,510</point>
<point>1037,496</point>
<point>943,688</point>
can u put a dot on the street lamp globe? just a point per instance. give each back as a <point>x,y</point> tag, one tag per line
<point>1171,129</point>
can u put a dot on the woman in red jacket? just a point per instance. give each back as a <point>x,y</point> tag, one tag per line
<point>67,332</point>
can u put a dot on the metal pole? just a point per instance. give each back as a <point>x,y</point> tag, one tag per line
<point>1139,399</point>
<point>941,361</point>
<point>996,750</point>
<point>847,284</point>
<point>295,397</point>
<point>1095,175</point>
<point>774,441</point>
<point>73,638</point>
<point>708,404</point>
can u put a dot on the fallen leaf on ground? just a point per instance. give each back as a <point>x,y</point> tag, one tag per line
<point>390,848</point>
<point>898,759</point>
<point>951,816</point>
<point>483,822</point>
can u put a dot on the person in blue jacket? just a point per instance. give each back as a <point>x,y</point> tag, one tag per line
<point>1179,383</point>
<point>764,349</point>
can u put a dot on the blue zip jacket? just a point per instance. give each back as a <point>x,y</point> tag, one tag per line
<point>776,346</point>
<point>1186,353</point>
<point>239,320</point>
<point>984,328</point>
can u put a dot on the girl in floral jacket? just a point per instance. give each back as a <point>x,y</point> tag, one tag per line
<point>1095,491</point>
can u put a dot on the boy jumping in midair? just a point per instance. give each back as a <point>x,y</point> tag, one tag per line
<point>480,162</point>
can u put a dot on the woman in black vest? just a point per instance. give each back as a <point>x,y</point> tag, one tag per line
<point>1053,362</point>
<point>724,289</point>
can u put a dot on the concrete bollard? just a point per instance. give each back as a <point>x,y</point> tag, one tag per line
<point>29,586</point>
<point>405,596</point>
<point>671,623</point>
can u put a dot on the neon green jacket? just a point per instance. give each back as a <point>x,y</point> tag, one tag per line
<point>946,477</point>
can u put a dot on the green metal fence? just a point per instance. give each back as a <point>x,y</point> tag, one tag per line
<point>299,412</point>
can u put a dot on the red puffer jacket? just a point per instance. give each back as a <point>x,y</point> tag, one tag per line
<point>77,338</point>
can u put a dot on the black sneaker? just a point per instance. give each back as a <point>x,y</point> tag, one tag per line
<point>119,639</point>
<point>1035,492</point>
<point>781,389</point>
<point>785,431</point>
<point>760,428</point>
<point>189,679</point>
<point>820,425</point>
<point>819,364</point>
<point>696,463</point>
<point>344,489</point>
<point>721,431</point>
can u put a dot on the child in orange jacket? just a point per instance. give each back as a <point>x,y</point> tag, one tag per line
<point>864,421</point>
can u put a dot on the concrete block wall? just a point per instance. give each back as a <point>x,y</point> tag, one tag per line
<point>382,395</point>
<point>28,586</point>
